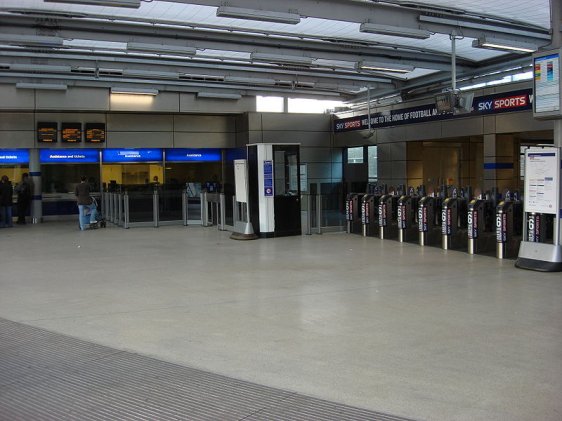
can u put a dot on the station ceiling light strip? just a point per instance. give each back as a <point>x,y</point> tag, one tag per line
<point>280,59</point>
<point>216,95</point>
<point>161,48</point>
<point>134,91</point>
<point>31,40</point>
<point>385,67</point>
<point>504,45</point>
<point>373,28</point>
<point>259,15</point>
<point>134,4</point>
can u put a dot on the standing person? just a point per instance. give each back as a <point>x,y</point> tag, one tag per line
<point>23,190</point>
<point>82,192</point>
<point>6,192</point>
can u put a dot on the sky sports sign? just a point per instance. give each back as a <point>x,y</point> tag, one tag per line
<point>489,104</point>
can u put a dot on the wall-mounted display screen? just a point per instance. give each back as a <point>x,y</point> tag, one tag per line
<point>47,132</point>
<point>71,132</point>
<point>193,155</point>
<point>132,155</point>
<point>546,78</point>
<point>66,156</point>
<point>95,132</point>
<point>14,156</point>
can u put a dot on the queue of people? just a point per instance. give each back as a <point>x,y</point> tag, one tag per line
<point>24,192</point>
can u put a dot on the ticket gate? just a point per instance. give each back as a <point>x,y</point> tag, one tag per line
<point>369,214</point>
<point>454,224</point>
<point>388,227</point>
<point>509,222</point>
<point>481,237</point>
<point>353,213</point>
<point>429,229</point>
<point>406,217</point>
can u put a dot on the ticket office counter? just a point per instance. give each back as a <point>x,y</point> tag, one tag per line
<point>61,171</point>
<point>13,164</point>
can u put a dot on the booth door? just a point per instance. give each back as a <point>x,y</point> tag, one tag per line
<point>287,205</point>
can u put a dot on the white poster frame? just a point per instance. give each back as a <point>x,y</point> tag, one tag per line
<point>542,180</point>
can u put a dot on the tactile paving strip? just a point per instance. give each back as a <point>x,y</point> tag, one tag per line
<point>48,376</point>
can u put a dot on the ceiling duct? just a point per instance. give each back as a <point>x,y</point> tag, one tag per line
<point>281,59</point>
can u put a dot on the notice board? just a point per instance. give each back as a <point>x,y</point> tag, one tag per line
<point>542,180</point>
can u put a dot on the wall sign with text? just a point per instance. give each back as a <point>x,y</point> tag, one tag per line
<point>47,132</point>
<point>71,132</point>
<point>69,156</point>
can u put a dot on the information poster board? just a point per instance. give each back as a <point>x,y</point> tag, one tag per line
<point>546,83</point>
<point>542,180</point>
<point>46,132</point>
<point>268,178</point>
<point>71,132</point>
<point>95,132</point>
<point>240,180</point>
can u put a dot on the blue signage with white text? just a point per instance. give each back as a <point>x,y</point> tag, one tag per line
<point>193,155</point>
<point>69,156</point>
<point>268,178</point>
<point>132,155</point>
<point>14,156</point>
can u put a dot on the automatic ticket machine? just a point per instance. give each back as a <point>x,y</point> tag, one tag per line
<point>454,220</point>
<point>406,215</point>
<point>481,236</point>
<point>509,227</point>
<point>388,208</point>
<point>353,203</point>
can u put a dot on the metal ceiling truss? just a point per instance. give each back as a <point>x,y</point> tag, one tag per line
<point>328,65</point>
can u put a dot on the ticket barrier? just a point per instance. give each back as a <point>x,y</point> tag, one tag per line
<point>353,213</point>
<point>406,217</point>
<point>481,237</point>
<point>369,214</point>
<point>454,224</point>
<point>509,222</point>
<point>388,227</point>
<point>429,229</point>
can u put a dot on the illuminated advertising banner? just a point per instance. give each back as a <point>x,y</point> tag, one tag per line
<point>69,156</point>
<point>14,156</point>
<point>489,104</point>
<point>131,155</point>
<point>193,155</point>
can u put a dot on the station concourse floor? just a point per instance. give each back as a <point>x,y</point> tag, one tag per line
<point>415,332</point>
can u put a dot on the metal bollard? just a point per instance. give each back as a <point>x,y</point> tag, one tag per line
<point>184,203</point>
<point>155,208</point>
<point>126,210</point>
<point>319,213</point>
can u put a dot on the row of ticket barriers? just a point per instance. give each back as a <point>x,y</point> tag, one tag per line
<point>450,218</point>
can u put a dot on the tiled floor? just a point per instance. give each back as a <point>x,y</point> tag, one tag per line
<point>412,331</point>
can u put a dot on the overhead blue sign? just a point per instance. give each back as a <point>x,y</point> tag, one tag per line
<point>69,156</point>
<point>193,155</point>
<point>132,155</point>
<point>14,156</point>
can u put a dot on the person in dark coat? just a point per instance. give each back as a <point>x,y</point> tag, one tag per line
<point>23,190</point>
<point>6,192</point>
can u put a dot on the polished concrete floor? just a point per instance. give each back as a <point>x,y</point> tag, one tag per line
<point>411,331</point>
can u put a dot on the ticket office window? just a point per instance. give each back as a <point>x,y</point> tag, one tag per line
<point>178,174</point>
<point>13,172</point>
<point>63,178</point>
<point>137,174</point>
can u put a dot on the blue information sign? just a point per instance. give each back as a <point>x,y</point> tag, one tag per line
<point>69,156</point>
<point>193,155</point>
<point>14,156</point>
<point>268,178</point>
<point>132,155</point>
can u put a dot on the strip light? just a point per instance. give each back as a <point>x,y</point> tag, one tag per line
<point>249,80</point>
<point>42,86</point>
<point>161,48</point>
<point>384,67</point>
<point>217,95</point>
<point>35,40</point>
<point>134,4</point>
<point>505,45</point>
<point>260,15</point>
<point>373,28</point>
<point>134,91</point>
<point>278,59</point>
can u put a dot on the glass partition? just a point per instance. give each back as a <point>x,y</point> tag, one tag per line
<point>170,203</point>
<point>141,205</point>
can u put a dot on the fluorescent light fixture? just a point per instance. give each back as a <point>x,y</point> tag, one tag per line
<point>47,68</point>
<point>42,86</point>
<point>134,91</point>
<point>384,67</point>
<point>373,28</point>
<point>216,95</point>
<point>278,59</point>
<point>134,4</point>
<point>505,45</point>
<point>161,49</point>
<point>261,15</point>
<point>34,40</point>
<point>250,80</point>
